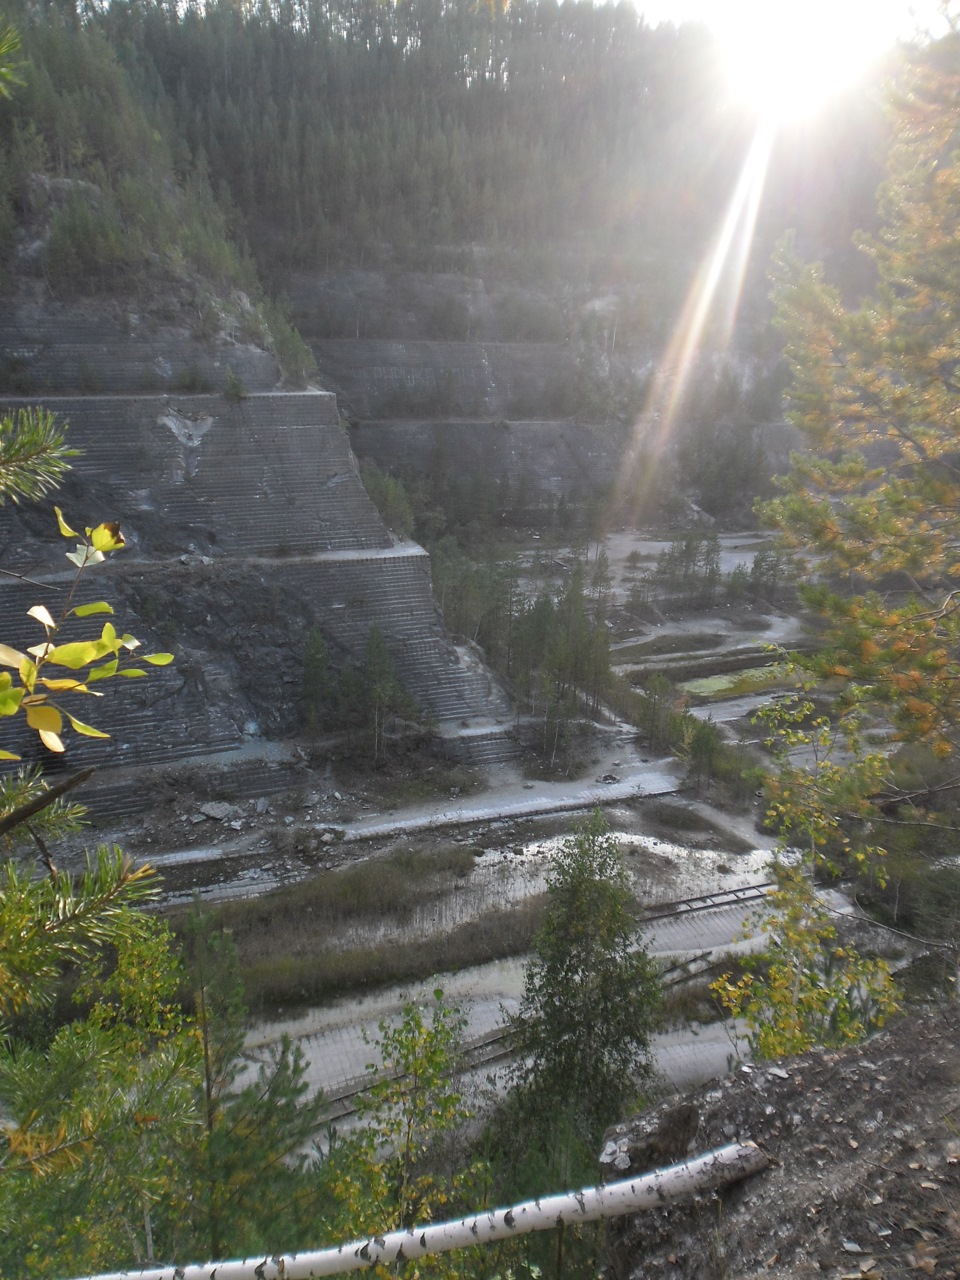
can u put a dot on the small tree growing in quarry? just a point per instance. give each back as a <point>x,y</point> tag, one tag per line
<point>383,697</point>
<point>591,994</point>
<point>806,987</point>
<point>406,1164</point>
<point>318,690</point>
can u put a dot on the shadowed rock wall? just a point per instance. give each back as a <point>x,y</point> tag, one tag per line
<point>247,525</point>
<point>573,459</point>
<point>73,351</point>
<point>377,379</point>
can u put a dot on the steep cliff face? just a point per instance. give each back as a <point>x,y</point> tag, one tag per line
<point>539,389</point>
<point>247,527</point>
<point>101,346</point>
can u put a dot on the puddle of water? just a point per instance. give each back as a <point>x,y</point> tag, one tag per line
<point>504,876</point>
<point>694,871</point>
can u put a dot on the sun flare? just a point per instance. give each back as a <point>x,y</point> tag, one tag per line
<point>785,61</point>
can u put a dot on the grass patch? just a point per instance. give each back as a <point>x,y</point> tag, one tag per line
<point>678,817</point>
<point>428,784</point>
<point>276,976</point>
<point>737,683</point>
<point>373,890</point>
<point>748,622</point>
<point>283,938</point>
<point>659,645</point>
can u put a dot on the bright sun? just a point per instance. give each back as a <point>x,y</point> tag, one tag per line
<point>785,60</point>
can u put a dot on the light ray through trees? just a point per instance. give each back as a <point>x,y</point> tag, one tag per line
<point>726,260</point>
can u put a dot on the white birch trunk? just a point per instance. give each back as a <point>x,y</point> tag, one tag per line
<point>715,1169</point>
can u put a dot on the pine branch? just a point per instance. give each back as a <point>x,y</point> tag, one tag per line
<point>24,812</point>
<point>33,455</point>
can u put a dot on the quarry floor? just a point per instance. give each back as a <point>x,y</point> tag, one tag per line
<point>677,844</point>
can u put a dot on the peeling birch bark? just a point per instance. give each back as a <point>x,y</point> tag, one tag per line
<point>715,1169</point>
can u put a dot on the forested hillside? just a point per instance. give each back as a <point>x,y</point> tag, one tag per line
<point>312,134</point>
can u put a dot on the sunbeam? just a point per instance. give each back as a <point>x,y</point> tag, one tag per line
<point>727,258</point>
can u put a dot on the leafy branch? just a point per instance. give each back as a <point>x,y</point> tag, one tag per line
<point>92,660</point>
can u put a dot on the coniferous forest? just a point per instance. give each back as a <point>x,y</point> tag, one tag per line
<point>577,139</point>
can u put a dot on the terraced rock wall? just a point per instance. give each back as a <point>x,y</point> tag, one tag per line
<point>508,393</point>
<point>462,379</point>
<point>69,350</point>
<point>531,460</point>
<point>247,526</point>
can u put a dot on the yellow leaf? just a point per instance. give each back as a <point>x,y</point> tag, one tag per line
<point>64,527</point>
<point>87,730</point>
<point>8,755</point>
<point>77,685</point>
<point>99,606</point>
<point>44,718</point>
<point>51,740</point>
<point>77,654</point>
<point>106,536</point>
<point>42,615</point>
<point>10,657</point>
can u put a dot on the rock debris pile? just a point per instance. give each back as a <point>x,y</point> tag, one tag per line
<point>865,1179</point>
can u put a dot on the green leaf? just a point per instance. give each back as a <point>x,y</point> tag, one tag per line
<point>78,653</point>
<point>131,671</point>
<point>10,697</point>
<point>157,659</point>
<point>103,672</point>
<point>8,755</point>
<point>87,730</point>
<point>85,610</point>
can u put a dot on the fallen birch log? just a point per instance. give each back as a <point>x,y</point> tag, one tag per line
<point>715,1169</point>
